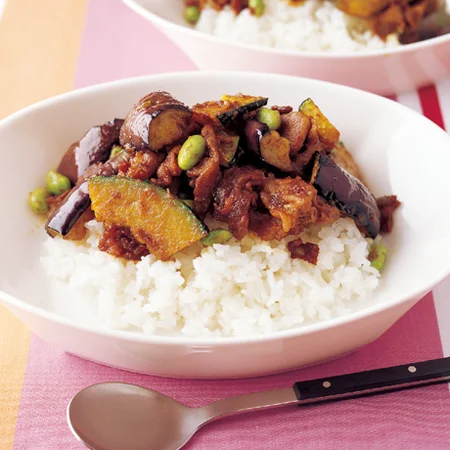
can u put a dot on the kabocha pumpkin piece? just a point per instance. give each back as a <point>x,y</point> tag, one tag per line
<point>226,110</point>
<point>327,132</point>
<point>240,105</point>
<point>206,113</point>
<point>347,193</point>
<point>157,120</point>
<point>217,236</point>
<point>228,143</point>
<point>156,218</point>
<point>93,148</point>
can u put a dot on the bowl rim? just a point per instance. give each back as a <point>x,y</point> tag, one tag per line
<point>145,12</point>
<point>232,340</point>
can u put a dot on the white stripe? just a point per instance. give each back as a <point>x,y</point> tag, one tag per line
<point>2,6</point>
<point>443,90</point>
<point>441,295</point>
<point>411,100</point>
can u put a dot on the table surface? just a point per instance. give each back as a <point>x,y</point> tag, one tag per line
<point>52,46</point>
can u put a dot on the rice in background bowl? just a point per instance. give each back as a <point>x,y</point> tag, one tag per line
<point>315,26</point>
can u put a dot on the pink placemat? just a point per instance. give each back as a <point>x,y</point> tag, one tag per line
<point>407,420</point>
<point>117,44</point>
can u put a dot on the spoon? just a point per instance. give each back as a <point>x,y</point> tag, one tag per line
<point>119,416</point>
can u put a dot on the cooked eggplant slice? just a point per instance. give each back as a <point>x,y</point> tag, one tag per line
<point>70,210</point>
<point>227,110</point>
<point>347,193</point>
<point>157,120</point>
<point>275,151</point>
<point>253,133</point>
<point>344,158</point>
<point>93,148</point>
<point>77,201</point>
<point>327,132</point>
<point>269,145</point>
<point>156,218</point>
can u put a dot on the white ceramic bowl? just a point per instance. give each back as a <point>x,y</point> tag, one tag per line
<point>399,151</point>
<point>380,71</point>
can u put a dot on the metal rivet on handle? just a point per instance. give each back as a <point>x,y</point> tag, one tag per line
<point>326,384</point>
<point>412,369</point>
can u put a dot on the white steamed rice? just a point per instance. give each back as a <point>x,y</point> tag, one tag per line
<point>242,288</point>
<point>316,26</point>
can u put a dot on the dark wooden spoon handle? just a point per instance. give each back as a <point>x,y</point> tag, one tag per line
<point>373,382</point>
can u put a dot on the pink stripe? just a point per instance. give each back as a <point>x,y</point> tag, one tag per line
<point>408,420</point>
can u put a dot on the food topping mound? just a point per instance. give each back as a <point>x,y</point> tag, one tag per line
<point>157,178</point>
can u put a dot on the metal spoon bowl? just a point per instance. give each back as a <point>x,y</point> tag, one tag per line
<point>123,416</point>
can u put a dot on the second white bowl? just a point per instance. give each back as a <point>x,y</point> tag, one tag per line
<point>383,72</point>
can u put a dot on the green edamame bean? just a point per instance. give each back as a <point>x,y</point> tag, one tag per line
<point>57,183</point>
<point>192,14</point>
<point>218,236</point>
<point>270,117</point>
<point>257,7</point>
<point>191,152</point>
<point>115,151</point>
<point>37,200</point>
<point>377,256</point>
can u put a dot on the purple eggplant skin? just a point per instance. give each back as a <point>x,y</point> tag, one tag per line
<point>93,148</point>
<point>253,133</point>
<point>347,193</point>
<point>157,120</point>
<point>78,201</point>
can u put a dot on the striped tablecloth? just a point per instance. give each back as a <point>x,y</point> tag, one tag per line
<point>51,46</point>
